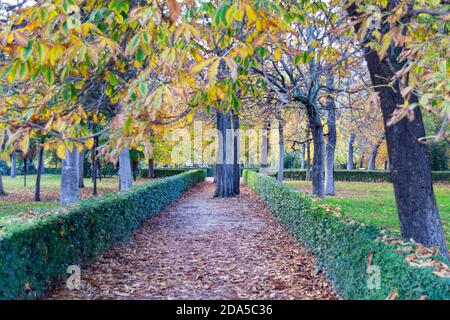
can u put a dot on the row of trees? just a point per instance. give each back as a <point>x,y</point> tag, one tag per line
<point>141,65</point>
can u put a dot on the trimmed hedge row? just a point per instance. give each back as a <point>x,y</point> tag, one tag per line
<point>363,176</point>
<point>342,247</point>
<point>34,256</point>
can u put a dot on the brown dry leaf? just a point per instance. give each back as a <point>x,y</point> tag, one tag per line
<point>206,248</point>
<point>174,10</point>
<point>369,259</point>
<point>393,295</point>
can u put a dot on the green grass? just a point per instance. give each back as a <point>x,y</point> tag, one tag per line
<point>19,202</point>
<point>374,203</point>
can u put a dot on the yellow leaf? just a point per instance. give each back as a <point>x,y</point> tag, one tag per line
<point>25,143</point>
<point>89,143</point>
<point>277,54</point>
<point>251,14</point>
<point>61,151</point>
<point>201,65</point>
<point>212,72</point>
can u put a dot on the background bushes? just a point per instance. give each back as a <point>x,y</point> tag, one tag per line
<point>342,248</point>
<point>362,176</point>
<point>35,255</point>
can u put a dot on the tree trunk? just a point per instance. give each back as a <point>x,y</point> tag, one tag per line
<point>125,175</point>
<point>94,166</point>
<point>361,162</point>
<point>350,160</point>
<point>264,161</point>
<point>303,154</point>
<point>373,156</point>
<point>69,178</point>
<point>2,190</point>
<point>236,166</point>
<point>37,190</point>
<point>13,172</point>
<point>318,165</point>
<point>81,170</point>
<point>151,169</point>
<point>281,146</point>
<point>225,158</point>
<point>25,172</point>
<point>308,161</point>
<point>408,158</point>
<point>331,145</point>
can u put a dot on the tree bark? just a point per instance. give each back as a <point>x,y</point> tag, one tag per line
<point>281,147</point>
<point>81,170</point>
<point>37,190</point>
<point>350,160</point>
<point>373,156</point>
<point>331,143</point>
<point>13,172</point>
<point>236,165</point>
<point>125,175</point>
<point>318,165</point>
<point>69,178</point>
<point>361,162</point>
<point>303,155</point>
<point>408,158</point>
<point>2,190</point>
<point>25,172</point>
<point>134,168</point>
<point>308,161</point>
<point>224,165</point>
<point>264,161</point>
<point>94,166</point>
<point>151,169</point>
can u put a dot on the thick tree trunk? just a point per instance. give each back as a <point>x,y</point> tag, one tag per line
<point>37,190</point>
<point>225,158</point>
<point>331,145</point>
<point>281,147</point>
<point>408,158</point>
<point>350,160</point>
<point>318,165</point>
<point>308,161</point>
<point>81,170</point>
<point>151,169</point>
<point>125,175</point>
<point>69,178</point>
<point>2,190</point>
<point>13,172</point>
<point>236,165</point>
<point>264,161</point>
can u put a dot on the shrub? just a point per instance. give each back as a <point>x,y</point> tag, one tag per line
<point>35,255</point>
<point>342,248</point>
<point>362,176</point>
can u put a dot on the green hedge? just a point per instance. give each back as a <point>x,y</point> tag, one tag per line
<point>363,176</point>
<point>342,247</point>
<point>34,256</point>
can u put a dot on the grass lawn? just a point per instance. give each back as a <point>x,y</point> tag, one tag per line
<point>19,200</point>
<point>374,203</point>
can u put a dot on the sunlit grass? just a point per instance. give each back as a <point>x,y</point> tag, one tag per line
<point>374,203</point>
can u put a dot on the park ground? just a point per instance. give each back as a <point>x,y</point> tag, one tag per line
<point>18,205</point>
<point>202,247</point>
<point>369,203</point>
<point>373,203</point>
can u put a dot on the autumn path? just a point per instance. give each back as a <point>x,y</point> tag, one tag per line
<point>206,248</point>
